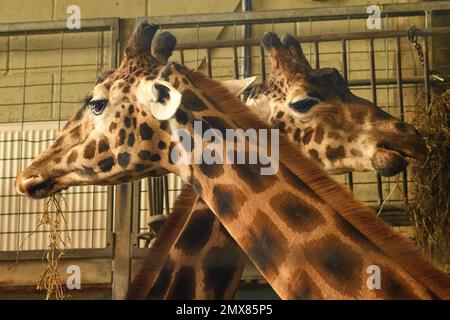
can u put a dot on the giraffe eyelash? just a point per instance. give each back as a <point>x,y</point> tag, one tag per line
<point>315,95</point>
<point>87,100</point>
<point>304,105</point>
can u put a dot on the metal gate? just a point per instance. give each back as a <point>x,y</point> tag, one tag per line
<point>46,68</point>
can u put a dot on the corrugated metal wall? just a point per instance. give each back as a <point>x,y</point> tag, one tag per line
<point>86,206</point>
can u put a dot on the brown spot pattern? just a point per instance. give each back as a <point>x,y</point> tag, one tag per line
<point>335,153</point>
<point>89,150</point>
<point>296,213</point>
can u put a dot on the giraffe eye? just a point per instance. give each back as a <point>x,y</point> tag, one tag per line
<point>97,106</point>
<point>303,105</point>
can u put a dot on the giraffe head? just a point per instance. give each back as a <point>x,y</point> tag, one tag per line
<point>114,137</point>
<point>317,110</point>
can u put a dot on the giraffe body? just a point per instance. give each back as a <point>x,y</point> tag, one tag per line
<point>317,252</point>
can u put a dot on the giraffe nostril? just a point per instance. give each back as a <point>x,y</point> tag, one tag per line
<point>33,186</point>
<point>406,128</point>
<point>23,183</point>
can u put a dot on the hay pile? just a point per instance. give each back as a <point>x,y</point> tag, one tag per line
<point>59,242</point>
<point>430,212</point>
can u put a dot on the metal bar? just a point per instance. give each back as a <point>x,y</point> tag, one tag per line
<point>208,63</point>
<point>109,216</point>
<point>19,217</point>
<point>296,15</point>
<point>429,24</point>
<point>114,46</point>
<point>426,73</point>
<point>45,27</point>
<point>181,56</point>
<point>374,100</point>
<point>122,241</point>
<point>345,75</point>
<point>313,38</point>
<point>166,194</point>
<point>316,54</point>
<point>398,57</point>
<point>262,63</point>
<point>411,80</point>
<point>136,208</point>
<point>156,195</point>
<point>246,50</point>
<point>97,71</point>
<point>235,64</point>
<point>71,254</point>
<point>344,61</point>
<point>60,79</point>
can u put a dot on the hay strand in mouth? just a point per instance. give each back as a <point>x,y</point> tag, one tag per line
<point>59,243</point>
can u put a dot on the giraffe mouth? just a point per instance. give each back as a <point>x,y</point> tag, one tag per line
<point>35,187</point>
<point>388,162</point>
<point>42,189</point>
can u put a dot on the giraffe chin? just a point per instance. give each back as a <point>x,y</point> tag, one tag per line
<point>388,162</point>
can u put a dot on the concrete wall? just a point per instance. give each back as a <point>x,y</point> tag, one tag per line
<point>86,55</point>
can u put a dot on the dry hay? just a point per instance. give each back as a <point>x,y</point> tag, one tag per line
<point>429,212</point>
<point>55,224</point>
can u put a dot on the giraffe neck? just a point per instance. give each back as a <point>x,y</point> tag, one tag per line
<point>204,262</point>
<point>299,244</point>
<point>194,257</point>
<point>312,252</point>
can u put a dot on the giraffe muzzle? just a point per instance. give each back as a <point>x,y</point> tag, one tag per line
<point>34,186</point>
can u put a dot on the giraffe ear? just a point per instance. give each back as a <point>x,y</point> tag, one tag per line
<point>159,98</point>
<point>237,86</point>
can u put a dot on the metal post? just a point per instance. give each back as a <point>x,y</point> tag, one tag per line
<point>208,63</point>
<point>123,242</point>
<point>426,73</point>
<point>166,194</point>
<point>114,47</point>
<point>247,50</point>
<point>235,64</point>
<point>401,106</point>
<point>156,195</point>
<point>123,222</point>
<point>374,100</point>
<point>262,61</point>
<point>316,54</point>
<point>345,74</point>
<point>182,57</point>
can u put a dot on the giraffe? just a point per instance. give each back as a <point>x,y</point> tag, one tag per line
<point>341,138</point>
<point>267,100</point>
<point>308,236</point>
